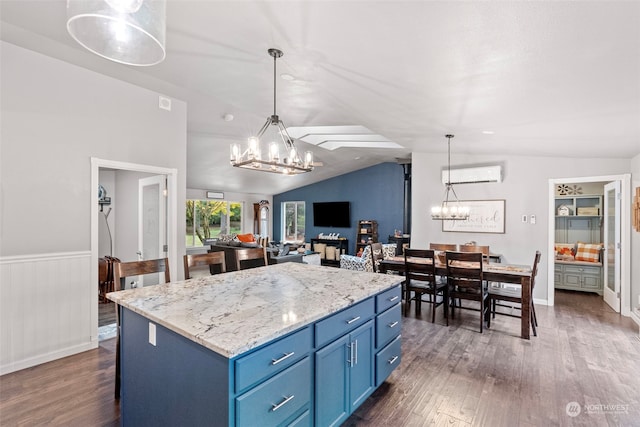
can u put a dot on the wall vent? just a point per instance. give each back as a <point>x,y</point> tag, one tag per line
<point>473,174</point>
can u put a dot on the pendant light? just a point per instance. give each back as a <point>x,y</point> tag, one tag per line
<point>269,159</point>
<point>450,209</point>
<point>130,32</point>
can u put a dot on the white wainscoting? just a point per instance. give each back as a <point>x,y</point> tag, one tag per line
<point>46,308</point>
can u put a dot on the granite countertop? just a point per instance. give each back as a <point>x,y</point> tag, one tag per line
<point>235,312</point>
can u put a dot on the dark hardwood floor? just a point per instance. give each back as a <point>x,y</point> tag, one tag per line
<point>451,376</point>
<point>106,313</point>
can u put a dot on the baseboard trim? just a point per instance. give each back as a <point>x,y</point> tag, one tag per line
<point>48,357</point>
<point>540,301</point>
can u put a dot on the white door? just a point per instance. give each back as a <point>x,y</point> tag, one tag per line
<point>611,254</point>
<point>152,224</point>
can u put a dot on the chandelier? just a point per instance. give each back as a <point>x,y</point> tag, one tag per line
<point>270,160</point>
<point>130,32</point>
<point>449,209</point>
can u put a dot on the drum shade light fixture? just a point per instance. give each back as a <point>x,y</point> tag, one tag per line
<point>449,209</point>
<point>130,32</point>
<point>253,157</point>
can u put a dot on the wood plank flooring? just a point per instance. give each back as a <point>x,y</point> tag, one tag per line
<point>451,376</point>
<point>106,313</point>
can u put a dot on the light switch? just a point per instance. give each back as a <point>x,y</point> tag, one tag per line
<point>533,219</point>
<point>152,333</point>
<point>524,218</point>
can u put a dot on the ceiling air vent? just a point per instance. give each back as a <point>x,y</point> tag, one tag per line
<point>473,174</point>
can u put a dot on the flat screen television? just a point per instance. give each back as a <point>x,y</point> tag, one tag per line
<point>332,214</point>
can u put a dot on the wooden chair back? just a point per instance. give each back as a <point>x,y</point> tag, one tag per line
<point>419,264</point>
<point>464,271</point>
<point>215,259</point>
<point>443,246</point>
<point>464,276</point>
<point>534,269</point>
<point>377,255</point>
<point>122,270</point>
<point>484,250</point>
<point>250,254</point>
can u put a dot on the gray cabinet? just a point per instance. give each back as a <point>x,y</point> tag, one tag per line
<point>578,219</point>
<point>578,276</point>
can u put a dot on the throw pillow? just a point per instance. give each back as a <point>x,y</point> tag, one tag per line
<point>246,238</point>
<point>589,252</point>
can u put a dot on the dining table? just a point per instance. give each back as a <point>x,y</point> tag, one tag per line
<point>491,272</point>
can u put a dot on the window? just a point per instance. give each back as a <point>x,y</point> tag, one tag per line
<point>293,222</point>
<point>207,219</point>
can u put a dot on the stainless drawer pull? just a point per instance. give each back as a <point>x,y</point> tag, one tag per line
<point>393,299</point>
<point>392,360</point>
<point>286,356</point>
<point>391,325</point>
<point>286,400</point>
<point>355,319</point>
<point>356,352</point>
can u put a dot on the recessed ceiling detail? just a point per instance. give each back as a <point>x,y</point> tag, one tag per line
<point>333,137</point>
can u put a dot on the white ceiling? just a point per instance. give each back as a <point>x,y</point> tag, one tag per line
<point>548,78</point>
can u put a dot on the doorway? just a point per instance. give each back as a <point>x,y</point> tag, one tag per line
<point>128,244</point>
<point>624,182</point>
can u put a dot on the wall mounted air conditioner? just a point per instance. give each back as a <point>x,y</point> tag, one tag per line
<point>473,174</point>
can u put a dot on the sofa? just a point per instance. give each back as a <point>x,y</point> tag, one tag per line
<point>364,262</point>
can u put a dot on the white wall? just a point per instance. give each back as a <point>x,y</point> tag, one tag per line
<point>526,190</point>
<point>55,117</point>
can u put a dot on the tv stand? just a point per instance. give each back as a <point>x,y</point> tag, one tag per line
<point>341,243</point>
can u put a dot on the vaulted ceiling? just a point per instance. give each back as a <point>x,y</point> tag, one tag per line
<point>548,78</point>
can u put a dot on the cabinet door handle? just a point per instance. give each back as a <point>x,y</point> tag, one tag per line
<point>392,360</point>
<point>286,400</point>
<point>356,352</point>
<point>391,325</point>
<point>286,356</point>
<point>355,319</point>
<point>350,359</point>
<point>393,299</point>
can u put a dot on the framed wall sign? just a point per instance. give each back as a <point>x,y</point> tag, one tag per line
<point>486,216</point>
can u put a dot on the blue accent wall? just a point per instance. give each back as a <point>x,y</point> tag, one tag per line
<point>375,193</point>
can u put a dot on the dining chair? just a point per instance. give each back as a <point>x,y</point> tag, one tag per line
<point>484,250</point>
<point>122,270</point>
<point>214,260</point>
<point>464,276</point>
<point>510,292</point>
<point>250,254</point>
<point>443,246</point>
<point>421,279</point>
<point>377,255</point>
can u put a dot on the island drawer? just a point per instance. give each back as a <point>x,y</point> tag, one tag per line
<point>388,325</point>
<point>343,321</point>
<point>387,360</point>
<point>277,399</point>
<point>388,298</point>
<point>272,359</point>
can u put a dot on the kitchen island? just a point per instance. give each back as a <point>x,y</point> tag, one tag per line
<point>287,344</point>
